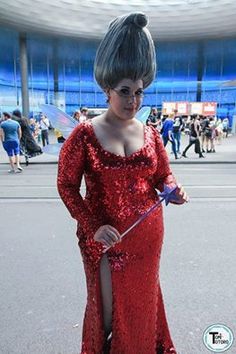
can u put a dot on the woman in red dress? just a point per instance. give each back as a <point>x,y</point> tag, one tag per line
<point>123,163</point>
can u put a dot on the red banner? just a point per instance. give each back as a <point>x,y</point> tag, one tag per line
<point>186,108</point>
<point>209,108</point>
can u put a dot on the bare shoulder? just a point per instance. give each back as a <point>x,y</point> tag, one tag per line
<point>137,123</point>
<point>98,121</point>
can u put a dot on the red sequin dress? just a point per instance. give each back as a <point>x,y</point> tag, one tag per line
<point>118,191</point>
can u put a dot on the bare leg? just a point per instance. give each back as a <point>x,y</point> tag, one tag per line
<point>213,144</point>
<point>207,144</point>
<point>18,161</point>
<point>106,289</point>
<point>12,160</point>
<point>203,142</point>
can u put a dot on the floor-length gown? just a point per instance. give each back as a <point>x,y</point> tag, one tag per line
<point>119,189</point>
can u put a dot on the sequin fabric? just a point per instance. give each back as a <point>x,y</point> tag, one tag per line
<point>118,191</point>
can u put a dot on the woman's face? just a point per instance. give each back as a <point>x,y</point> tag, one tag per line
<point>126,98</point>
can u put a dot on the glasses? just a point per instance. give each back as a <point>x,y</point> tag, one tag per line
<point>125,93</point>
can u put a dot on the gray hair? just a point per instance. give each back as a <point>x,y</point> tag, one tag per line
<point>126,52</point>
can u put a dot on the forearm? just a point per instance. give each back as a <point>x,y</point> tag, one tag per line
<point>76,206</point>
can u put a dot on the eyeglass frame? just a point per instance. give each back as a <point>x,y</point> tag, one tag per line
<point>136,96</point>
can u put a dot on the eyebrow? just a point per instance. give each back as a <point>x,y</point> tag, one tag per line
<point>128,87</point>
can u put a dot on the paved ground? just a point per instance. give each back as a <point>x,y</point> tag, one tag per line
<point>43,289</point>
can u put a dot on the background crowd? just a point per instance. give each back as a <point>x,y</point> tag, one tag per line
<point>204,131</point>
<point>28,136</point>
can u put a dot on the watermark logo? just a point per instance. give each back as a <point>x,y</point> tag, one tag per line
<point>218,338</point>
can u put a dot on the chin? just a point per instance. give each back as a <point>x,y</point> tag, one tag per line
<point>129,113</point>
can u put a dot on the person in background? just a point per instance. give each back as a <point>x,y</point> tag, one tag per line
<point>210,134</point>
<point>59,136</point>
<point>219,131</point>
<point>203,125</point>
<point>177,128</point>
<point>76,115</point>
<point>34,128</point>
<point>194,136</point>
<point>44,126</point>
<point>167,133</point>
<point>10,135</point>
<point>153,118</point>
<point>83,115</point>
<point>28,146</point>
<point>225,127</point>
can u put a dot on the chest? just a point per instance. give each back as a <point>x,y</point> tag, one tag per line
<point>110,163</point>
<point>121,142</point>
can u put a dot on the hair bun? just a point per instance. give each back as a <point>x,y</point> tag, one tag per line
<point>137,18</point>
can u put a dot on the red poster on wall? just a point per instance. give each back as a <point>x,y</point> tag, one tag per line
<point>209,108</point>
<point>182,108</point>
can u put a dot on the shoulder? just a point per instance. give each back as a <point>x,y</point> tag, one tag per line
<point>17,124</point>
<point>77,141</point>
<point>80,132</point>
<point>167,121</point>
<point>156,141</point>
<point>97,121</point>
<point>153,133</point>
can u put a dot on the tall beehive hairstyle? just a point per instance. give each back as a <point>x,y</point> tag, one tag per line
<point>126,52</point>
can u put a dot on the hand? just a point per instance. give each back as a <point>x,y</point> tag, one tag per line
<point>107,235</point>
<point>181,195</point>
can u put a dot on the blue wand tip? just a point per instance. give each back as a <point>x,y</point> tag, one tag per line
<point>169,194</point>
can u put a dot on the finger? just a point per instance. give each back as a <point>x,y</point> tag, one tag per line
<point>181,190</point>
<point>187,198</point>
<point>115,232</point>
<point>112,236</point>
<point>107,242</point>
<point>181,199</point>
<point>112,239</point>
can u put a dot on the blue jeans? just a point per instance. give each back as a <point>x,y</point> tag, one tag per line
<point>165,141</point>
<point>177,137</point>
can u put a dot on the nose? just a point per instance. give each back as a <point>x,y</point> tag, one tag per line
<point>132,98</point>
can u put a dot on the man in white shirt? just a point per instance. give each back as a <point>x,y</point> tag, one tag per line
<point>44,126</point>
<point>84,115</point>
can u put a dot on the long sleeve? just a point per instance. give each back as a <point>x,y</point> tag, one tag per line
<point>70,171</point>
<point>163,173</point>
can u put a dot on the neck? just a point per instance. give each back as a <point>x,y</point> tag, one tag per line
<point>112,119</point>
